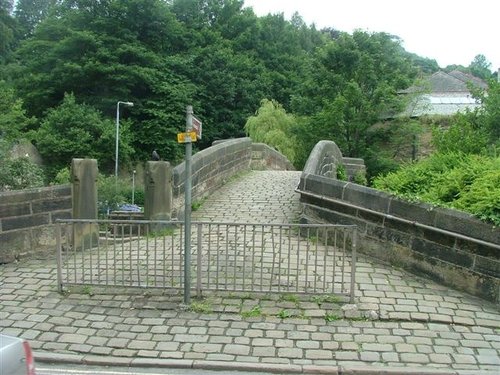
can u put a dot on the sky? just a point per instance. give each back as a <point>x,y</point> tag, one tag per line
<point>448,31</point>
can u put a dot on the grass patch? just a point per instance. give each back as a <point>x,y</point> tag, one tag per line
<point>202,307</point>
<point>166,232</point>
<point>87,289</point>
<point>289,298</point>
<point>283,314</point>
<point>326,299</point>
<point>253,312</point>
<point>331,317</point>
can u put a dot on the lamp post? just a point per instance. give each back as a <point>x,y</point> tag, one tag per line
<point>118,133</point>
<point>133,186</point>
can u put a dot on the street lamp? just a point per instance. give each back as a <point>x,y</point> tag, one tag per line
<point>118,133</point>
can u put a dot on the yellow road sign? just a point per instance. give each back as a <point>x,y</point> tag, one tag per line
<point>182,137</point>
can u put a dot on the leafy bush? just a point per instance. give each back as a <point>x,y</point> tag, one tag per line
<point>62,177</point>
<point>112,193</point>
<point>341,173</point>
<point>19,174</point>
<point>465,182</point>
<point>461,136</point>
<point>360,178</point>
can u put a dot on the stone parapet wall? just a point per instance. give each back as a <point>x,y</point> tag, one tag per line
<point>27,220</point>
<point>326,157</point>
<point>265,157</point>
<point>211,168</point>
<point>449,246</point>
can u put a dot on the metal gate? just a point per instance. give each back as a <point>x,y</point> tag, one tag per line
<point>284,258</point>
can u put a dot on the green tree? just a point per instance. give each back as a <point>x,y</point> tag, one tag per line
<point>13,119</point>
<point>8,30</point>
<point>488,115</point>
<point>29,13</point>
<point>273,126</point>
<point>74,130</point>
<point>475,131</point>
<point>352,83</point>
<point>480,67</point>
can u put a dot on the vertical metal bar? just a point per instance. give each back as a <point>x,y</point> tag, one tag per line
<point>82,244</point>
<point>181,256</point>
<point>279,257</point>
<point>316,260</point>
<point>187,209</point>
<point>75,245</point>
<point>172,247</point>
<point>334,258</point>
<point>343,259</point>
<point>253,257</point>
<point>209,259</point>
<point>289,259</point>
<point>325,255</point>
<point>218,258</point>
<point>235,255</point>
<point>308,249</point>
<point>244,255</point>
<point>98,267</point>
<point>106,239</point>
<point>91,266</point>
<point>273,250</point>
<point>198,262</point>
<point>227,256</point>
<point>262,256</point>
<point>138,265</point>
<point>59,257</point>
<point>115,231</point>
<point>131,267</point>
<point>353,264</point>
<point>298,259</point>
<point>68,229</point>
<point>155,258</point>
<point>163,259</point>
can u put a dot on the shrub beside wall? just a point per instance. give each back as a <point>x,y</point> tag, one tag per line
<point>27,220</point>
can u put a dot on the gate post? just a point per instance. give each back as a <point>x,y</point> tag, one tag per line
<point>84,195</point>
<point>158,193</point>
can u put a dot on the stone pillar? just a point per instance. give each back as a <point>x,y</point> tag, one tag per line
<point>158,193</point>
<point>84,195</point>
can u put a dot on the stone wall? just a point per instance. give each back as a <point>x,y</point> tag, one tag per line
<point>326,158</point>
<point>267,158</point>
<point>210,169</point>
<point>449,246</point>
<point>27,220</point>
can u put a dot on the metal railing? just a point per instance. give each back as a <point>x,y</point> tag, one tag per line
<point>285,258</point>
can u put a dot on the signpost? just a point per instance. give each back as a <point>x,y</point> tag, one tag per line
<point>192,134</point>
<point>182,137</point>
<point>197,127</point>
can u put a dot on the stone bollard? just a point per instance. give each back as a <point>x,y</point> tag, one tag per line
<point>158,193</point>
<point>84,195</point>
